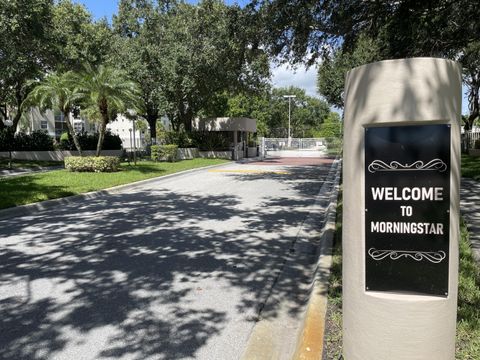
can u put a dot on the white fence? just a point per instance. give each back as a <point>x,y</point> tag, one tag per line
<point>55,155</point>
<point>293,147</point>
<point>469,138</point>
<point>276,144</point>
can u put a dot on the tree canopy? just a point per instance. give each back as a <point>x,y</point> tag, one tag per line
<point>106,92</point>
<point>57,92</point>
<point>332,31</point>
<point>185,56</point>
<point>270,109</point>
<point>25,50</point>
<point>38,37</point>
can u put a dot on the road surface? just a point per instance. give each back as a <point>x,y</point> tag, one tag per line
<point>177,269</point>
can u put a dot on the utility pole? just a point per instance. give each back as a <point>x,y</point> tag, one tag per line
<point>289,140</point>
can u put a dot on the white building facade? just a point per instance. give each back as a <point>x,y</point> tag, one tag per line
<point>54,122</point>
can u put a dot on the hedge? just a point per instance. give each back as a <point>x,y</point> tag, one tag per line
<point>89,141</point>
<point>92,163</point>
<point>38,140</point>
<point>164,152</point>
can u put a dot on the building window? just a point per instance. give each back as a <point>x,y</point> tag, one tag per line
<point>43,125</point>
<point>78,127</point>
<point>58,116</point>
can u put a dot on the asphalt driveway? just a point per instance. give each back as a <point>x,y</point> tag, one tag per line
<point>177,269</point>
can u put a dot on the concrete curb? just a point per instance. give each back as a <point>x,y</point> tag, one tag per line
<point>28,209</point>
<point>310,343</point>
<point>271,337</point>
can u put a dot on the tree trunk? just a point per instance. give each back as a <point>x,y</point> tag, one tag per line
<point>3,112</point>
<point>152,122</point>
<point>71,130</point>
<point>186,119</point>
<point>473,100</point>
<point>19,97</point>
<point>101,136</point>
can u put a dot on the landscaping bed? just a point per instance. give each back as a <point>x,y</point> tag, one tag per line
<point>26,189</point>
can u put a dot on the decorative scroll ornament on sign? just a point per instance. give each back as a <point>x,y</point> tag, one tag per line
<point>433,165</point>
<point>432,256</point>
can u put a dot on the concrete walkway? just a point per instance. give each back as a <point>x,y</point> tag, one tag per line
<point>470,209</point>
<point>24,171</point>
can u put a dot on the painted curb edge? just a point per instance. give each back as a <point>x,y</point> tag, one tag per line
<point>310,343</point>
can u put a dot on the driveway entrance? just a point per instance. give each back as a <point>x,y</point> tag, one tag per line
<point>175,269</point>
<point>294,148</point>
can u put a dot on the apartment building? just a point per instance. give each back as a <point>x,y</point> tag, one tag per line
<point>54,122</point>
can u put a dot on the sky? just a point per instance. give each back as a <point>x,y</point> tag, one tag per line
<point>282,76</point>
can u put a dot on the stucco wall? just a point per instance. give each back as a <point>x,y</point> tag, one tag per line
<point>55,155</point>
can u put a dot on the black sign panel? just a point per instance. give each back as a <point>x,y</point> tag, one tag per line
<point>407,200</point>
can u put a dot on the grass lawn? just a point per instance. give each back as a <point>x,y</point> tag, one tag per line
<point>28,164</point>
<point>468,310</point>
<point>26,189</point>
<point>471,167</point>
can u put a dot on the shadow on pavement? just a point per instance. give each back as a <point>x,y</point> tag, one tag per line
<point>132,266</point>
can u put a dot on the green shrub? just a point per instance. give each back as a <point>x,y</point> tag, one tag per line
<point>89,141</point>
<point>38,140</point>
<point>164,152</point>
<point>180,138</point>
<point>477,144</point>
<point>64,137</point>
<point>7,140</point>
<point>211,140</point>
<point>92,163</point>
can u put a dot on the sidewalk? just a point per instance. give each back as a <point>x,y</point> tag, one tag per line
<point>470,209</point>
<point>23,171</point>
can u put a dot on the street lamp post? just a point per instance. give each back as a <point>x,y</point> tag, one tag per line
<point>9,123</point>
<point>133,116</point>
<point>290,97</point>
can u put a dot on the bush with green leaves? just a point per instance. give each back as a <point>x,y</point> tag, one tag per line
<point>89,141</point>
<point>180,138</point>
<point>211,140</point>
<point>92,163</point>
<point>7,140</point>
<point>38,140</point>
<point>477,144</point>
<point>164,152</point>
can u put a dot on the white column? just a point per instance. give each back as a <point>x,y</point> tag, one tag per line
<point>235,142</point>
<point>380,325</point>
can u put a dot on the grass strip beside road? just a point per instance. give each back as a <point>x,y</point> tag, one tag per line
<point>468,310</point>
<point>471,166</point>
<point>27,189</point>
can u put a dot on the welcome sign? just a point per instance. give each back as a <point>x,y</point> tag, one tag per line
<point>407,200</point>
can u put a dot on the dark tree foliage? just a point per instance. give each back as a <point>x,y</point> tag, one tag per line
<point>309,29</point>
<point>26,50</point>
<point>306,31</point>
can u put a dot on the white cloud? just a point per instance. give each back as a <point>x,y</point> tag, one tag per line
<point>284,76</point>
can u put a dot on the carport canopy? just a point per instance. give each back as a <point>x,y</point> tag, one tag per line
<point>226,124</point>
<point>235,125</point>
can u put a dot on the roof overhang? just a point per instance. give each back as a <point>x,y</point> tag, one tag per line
<point>225,124</point>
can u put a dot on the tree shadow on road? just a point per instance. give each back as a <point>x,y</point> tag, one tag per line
<point>130,268</point>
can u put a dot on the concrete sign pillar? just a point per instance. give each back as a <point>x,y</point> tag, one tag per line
<point>401,209</point>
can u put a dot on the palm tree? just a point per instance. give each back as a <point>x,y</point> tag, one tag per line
<point>57,91</point>
<point>106,92</point>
